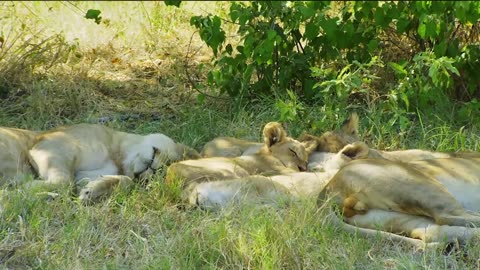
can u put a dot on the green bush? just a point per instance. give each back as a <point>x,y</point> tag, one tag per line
<point>431,49</point>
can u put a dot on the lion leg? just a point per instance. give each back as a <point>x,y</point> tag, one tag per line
<point>351,206</point>
<point>416,227</point>
<point>103,187</point>
<point>461,219</point>
<point>375,234</point>
<point>212,195</point>
<point>218,194</point>
<point>55,171</point>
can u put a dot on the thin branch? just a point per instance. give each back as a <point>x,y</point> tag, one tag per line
<point>298,44</point>
<point>225,20</point>
<point>31,11</point>
<point>193,83</point>
<point>146,12</point>
<point>75,6</point>
<point>454,33</point>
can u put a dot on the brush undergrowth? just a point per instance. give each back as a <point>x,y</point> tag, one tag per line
<point>59,68</point>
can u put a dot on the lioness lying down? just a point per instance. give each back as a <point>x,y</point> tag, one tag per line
<point>432,200</point>
<point>14,146</point>
<point>260,188</point>
<point>428,201</point>
<point>279,154</point>
<point>100,156</point>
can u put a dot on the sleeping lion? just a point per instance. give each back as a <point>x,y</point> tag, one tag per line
<point>14,146</point>
<point>100,156</point>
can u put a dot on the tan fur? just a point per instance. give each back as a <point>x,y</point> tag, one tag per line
<point>421,194</point>
<point>408,155</point>
<point>331,141</point>
<point>260,188</point>
<point>66,155</point>
<point>426,197</point>
<point>187,152</point>
<point>103,187</point>
<point>233,147</point>
<point>280,154</point>
<point>334,141</point>
<point>14,146</point>
<point>273,133</point>
<point>432,199</point>
<point>374,233</point>
<point>229,147</point>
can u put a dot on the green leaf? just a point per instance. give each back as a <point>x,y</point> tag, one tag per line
<point>402,25</point>
<point>379,16</point>
<point>194,20</point>
<point>453,49</point>
<point>344,72</point>
<point>306,12</point>
<point>460,12</point>
<point>316,72</point>
<point>431,29</point>
<point>398,69</point>
<point>422,28</point>
<point>439,7</point>
<point>210,31</point>
<point>372,45</point>
<point>330,27</point>
<point>356,81</point>
<point>311,31</point>
<point>94,14</point>
<point>404,97</point>
<point>404,123</point>
<point>235,11</point>
<point>440,49</point>
<point>247,75</point>
<point>200,98</point>
<point>240,49</point>
<point>451,68</point>
<point>271,34</point>
<point>172,3</point>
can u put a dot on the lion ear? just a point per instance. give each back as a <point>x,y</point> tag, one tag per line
<point>310,146</point>
<point>273,133</point>
<point>187,152</point>
<point>350,126</point>
<point>355,150</point>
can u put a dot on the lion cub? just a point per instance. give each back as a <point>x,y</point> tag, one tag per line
<point>14,146</point>
<point>279,154</point>
<point>95,153</point>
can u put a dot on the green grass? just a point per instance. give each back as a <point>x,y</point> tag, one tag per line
<point>130,72</point>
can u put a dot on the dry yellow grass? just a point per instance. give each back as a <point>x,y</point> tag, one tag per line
<point>133,61</point>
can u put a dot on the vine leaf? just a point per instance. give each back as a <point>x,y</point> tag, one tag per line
<point>94,14</point>
<point>172,3</point>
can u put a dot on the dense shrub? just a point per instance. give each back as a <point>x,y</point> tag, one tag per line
<point>418,54</point>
